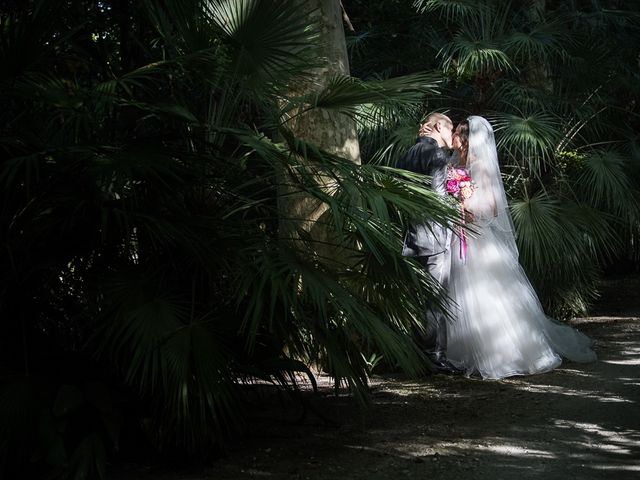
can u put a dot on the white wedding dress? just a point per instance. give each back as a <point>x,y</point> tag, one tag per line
<point>500,328</point>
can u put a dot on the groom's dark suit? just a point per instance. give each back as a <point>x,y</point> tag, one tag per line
<point>430,242</point>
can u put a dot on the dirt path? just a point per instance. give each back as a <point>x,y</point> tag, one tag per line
<point>580,420</point>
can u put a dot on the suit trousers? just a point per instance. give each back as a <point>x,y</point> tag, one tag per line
<point>434,340</point>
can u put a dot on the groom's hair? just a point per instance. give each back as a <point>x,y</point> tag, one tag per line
<point>438,117</point>
<point>427,126</point>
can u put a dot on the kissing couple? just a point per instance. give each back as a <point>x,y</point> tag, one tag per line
<point>495,326</point>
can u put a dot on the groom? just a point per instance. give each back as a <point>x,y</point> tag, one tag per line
<point>429,242</point>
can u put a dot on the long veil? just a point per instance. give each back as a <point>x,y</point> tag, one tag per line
<point>489,202</point>
<point>500,327</point>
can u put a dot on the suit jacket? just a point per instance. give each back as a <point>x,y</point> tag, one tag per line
<point>427,238</point>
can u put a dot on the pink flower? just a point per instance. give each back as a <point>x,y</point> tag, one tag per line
<point>459,183</point>
<point>466,192</point>
<point>453,187</point>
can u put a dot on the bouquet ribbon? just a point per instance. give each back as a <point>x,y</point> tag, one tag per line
<point>463,238</point>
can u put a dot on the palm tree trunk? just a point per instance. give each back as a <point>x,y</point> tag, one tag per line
<point>333,132</point>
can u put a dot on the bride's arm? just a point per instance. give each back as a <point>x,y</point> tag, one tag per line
<point>482,203</point>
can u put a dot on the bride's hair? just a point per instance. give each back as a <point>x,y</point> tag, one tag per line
<point>462,130</point>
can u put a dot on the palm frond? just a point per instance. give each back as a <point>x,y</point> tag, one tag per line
<point>385,132</point>
<point>562,244</point>
<point>364,206</point>
<point>274,40</point>
<point>542,43</point>
<point>600,232</point>
<point>604,183</point>
<point>175,362</point>
<point>513,96</point>
<point>182,25</point>
<point>542,233</point>
<point>345,94</point>
<point>471,53</point>
<point>529,140</point>
<point>451,9</point>
<point>336,316</point>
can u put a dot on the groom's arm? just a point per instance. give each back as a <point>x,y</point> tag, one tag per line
<point>419,159</point>
<point>437,166</point>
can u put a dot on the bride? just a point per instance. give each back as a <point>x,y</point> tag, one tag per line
<point>500,328</point>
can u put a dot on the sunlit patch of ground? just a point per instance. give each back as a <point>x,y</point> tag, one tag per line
<point>580,421</point>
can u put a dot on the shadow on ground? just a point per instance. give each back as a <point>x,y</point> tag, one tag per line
<point>580,420</point>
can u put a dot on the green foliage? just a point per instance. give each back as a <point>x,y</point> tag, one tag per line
<point>144,159</point>
<point>528,140</point>
<point>553,78</point>
<point>142,172</point>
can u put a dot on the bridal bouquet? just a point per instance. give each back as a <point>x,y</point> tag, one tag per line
<point>460,186</point>
<point>459,183</point>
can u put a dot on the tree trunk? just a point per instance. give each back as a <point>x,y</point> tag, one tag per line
<point>331,131</point>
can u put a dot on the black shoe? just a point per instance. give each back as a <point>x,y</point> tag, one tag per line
<point>444,366</point>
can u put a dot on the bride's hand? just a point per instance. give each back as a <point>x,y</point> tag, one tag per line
<point>469,217</point>
<point>425,129</point>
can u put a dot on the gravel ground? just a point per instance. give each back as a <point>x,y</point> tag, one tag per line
<point>579,420</point>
